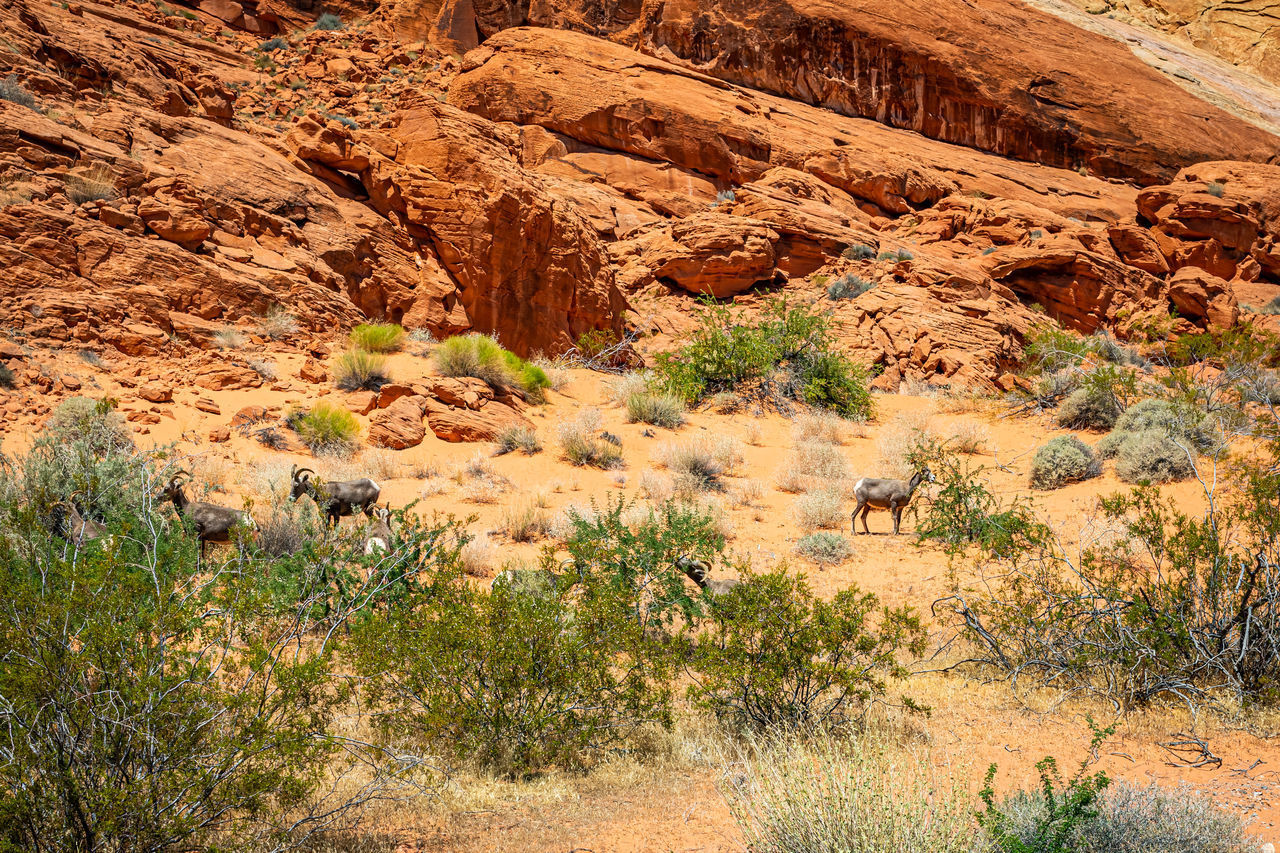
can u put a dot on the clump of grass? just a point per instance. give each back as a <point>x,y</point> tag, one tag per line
<point>848,287</point>
<point>526,523</point>
<point>1065,459</point>
<point>328,429</point>
<point>969,439</point>
<point>277,323</point>
<point>555,372</point>
<point>378,337</point>
<point>95,184</point>
<point>695,465</point>
<point>898,255</point>
<point>858,252</point>
<point>228,338</point>
<point>810,463</point>
<point>580,445</point>
<point>726,402</point>
<point>273,44</point>
<point>1215,189</point>
<point>664,410</point>
<point>820,426</point>
<point>12,90</point>
<point>478,556</point>
<point>329,22</point>
<point>820,509</point>
<point>265,369</point>
<point>1272,307</point>
<point>7,379</point>
<point>825,548</point>
<point>524,439</point>
<point>481,357</point>
<point>358,370</point>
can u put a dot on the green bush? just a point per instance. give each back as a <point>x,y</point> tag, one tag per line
<point>779,656</point>
<point>786,354</point>
<point>664,410</point>
<point>825,548</point>
<point>329,21</point>
<point>357,370</point>
<point>377,337</point>
<point>1152,456</point>
<point>1088,408</point>
<point>481,357</point>
<point>94,422</point>
<point>273,44</point>
<point>858,252</point>
<point>1177,421</point>
<point>514,682</point>
<point>1065,459</point>
<point>524,439</point>
<point>328,429</point>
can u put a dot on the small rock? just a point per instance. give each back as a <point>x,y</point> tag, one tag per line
<point>156,393</point>
<point>219,434</point>
<point>204,404</point>
<point>313,371</point>
<point>248,415</point>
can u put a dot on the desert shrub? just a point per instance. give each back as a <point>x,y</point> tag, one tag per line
<point>1066,808</point>
<point>780,657</point>
<point>1263,387</point>
<point>1152,456</point>
<point>848,287</point>
<point>1065,459</point>
<point>277,323</point>
<point>580,444</point>
<point>377,337</point>
<point>825,548</point>
<point>480,356</point>
<point>327,428</point>
<point>228,338</point>
<point>695,462</point>
<point>965,512</point>
<point>968,438</point>
<point>357,370</point>
<point>1178,421</point>
<point>802,795</point>
<point>897,256</point>
<point>329,21</point>
<point>786,354</point>
<point>524,439</point>
<point>1272,307</point>
<point>265,369</point>
<point>12,90</point>
<point>858,252</point>
<point>7,379</point>
<point>635,549</point>
<point>1087,408</point>
<point>95,184</point>
<point>810,462</point>
<point>287,529</point>
<point>664,410</point>
<point>821,509</point>
<point>819,426</point>
<point>273,44</point>
<point>1214,188</point>
<point>724,197</point>
<point>92,422</point>
<point>511,682</point>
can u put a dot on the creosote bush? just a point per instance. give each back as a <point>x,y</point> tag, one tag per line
<point>357,370</point>
<point>1065,459</point>
<point>327,428</point>
<point>664,410</point>
<point>786,354</point>
<point>378,337</point>
<point>782,658</point>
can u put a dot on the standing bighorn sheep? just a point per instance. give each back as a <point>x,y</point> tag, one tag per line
<point>334,499</point>
<point>893,495</point>
<point>377,539</point>
<point>697,571</point>
<point>213,523</point>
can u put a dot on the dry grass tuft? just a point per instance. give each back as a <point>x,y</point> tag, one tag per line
<point>820,426</point>
<point>479,557</point>
<point>809,464</point>
<point>820,509</point>
<point>525,523</point>
<point>899,439</point>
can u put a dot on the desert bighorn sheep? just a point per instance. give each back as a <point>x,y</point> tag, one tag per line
<point>213,523</point>
<point>76,528</point>
<point>697,571</point>
<point>893,495</point>
<point>334,499</point>
<point>377,538</point>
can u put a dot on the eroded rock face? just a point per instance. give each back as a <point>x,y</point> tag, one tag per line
<point>707,254</point>
<point>399,425</point>
<point>998,75</point>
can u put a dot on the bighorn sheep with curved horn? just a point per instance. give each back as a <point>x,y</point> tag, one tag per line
<point>334,499</point>
<point>76,528</point>
<point>697,571</point>
<point>893,495</point>
<point>213,523</point>
<point>377,539</point>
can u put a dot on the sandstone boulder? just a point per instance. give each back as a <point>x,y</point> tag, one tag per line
<point>399,425</point>
<point>458,424</point>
